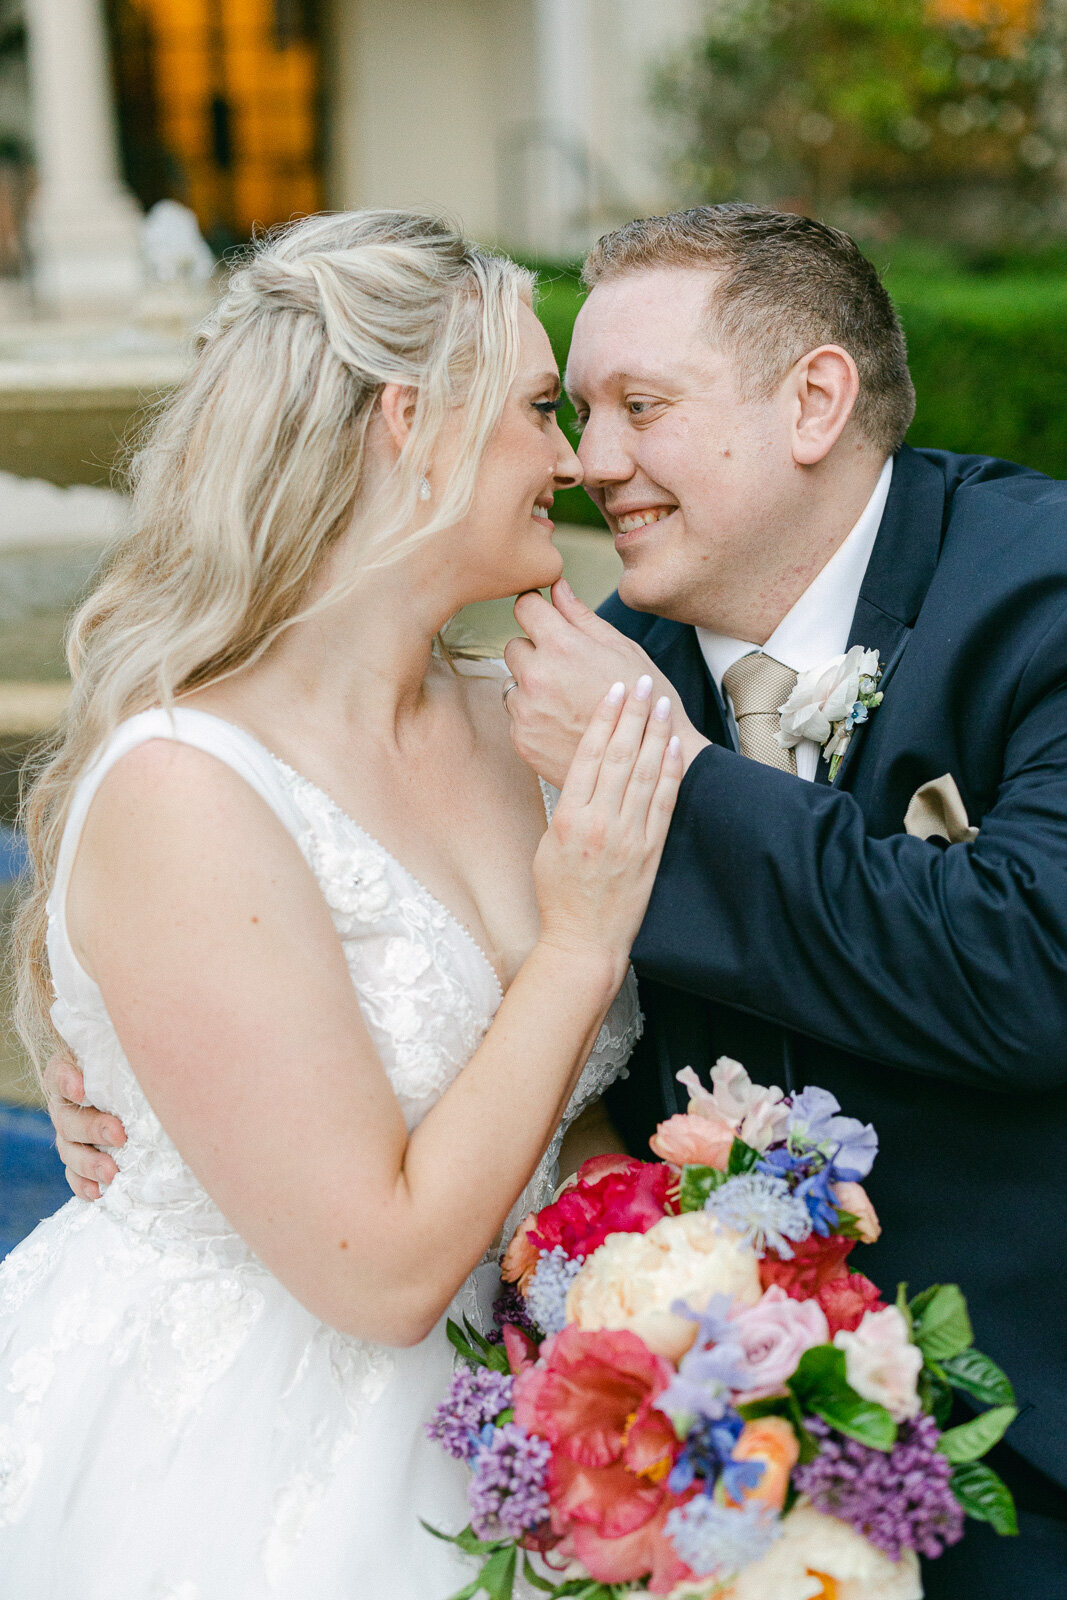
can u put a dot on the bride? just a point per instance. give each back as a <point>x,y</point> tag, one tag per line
<point>342,1050</point>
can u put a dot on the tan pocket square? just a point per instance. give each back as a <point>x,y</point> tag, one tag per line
<point>936,811</point>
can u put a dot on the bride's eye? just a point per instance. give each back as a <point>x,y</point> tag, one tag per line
<point>547,408</point>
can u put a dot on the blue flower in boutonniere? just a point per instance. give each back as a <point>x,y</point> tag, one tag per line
<point>831,700</point>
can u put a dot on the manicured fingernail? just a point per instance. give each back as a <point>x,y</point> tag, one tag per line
<point>115,1135</point>
<point>663,708</point>
<point>617,694</point>
<point>69,1089</point>
<point>643,687</point>
<point>674,747</point>
<point>565,589</point>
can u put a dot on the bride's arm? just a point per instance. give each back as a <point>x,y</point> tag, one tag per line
<point>227,985</point>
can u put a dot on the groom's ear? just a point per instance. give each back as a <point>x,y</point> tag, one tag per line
<point>821,390</point>
<point>397,406</point>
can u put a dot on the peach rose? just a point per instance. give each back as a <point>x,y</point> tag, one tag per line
<point>634,1278</point>
<point>772,1442</point>
<point>687,1140</point>
<point>521,1256</point>
<point>853,1197</point>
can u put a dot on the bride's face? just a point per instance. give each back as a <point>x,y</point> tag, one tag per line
<point>504,543</point>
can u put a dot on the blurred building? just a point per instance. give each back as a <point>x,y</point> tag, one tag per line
<point>529,119</point>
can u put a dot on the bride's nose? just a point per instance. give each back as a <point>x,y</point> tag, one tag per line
<point>568,470</point>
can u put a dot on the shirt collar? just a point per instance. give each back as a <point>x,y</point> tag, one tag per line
<point>816,628</point>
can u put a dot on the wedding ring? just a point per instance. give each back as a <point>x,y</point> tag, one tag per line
<point>512,683</point>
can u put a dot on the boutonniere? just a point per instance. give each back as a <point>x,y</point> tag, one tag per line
<point>831,700</point>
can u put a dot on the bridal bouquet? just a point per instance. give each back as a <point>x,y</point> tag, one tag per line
<point>689,1391</point>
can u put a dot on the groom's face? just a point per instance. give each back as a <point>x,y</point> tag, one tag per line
<point>693,476</point>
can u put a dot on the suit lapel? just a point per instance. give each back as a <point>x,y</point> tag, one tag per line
<point>898,575</point>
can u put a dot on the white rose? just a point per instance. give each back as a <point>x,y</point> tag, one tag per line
<point>811,1543</point>
<point>825,695</point>
<point>881,1363</point>
<point>633,1279</point>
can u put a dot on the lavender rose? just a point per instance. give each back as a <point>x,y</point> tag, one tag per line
<point>774,1334</point>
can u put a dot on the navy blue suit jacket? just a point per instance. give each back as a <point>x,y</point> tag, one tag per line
<point>797,927</point>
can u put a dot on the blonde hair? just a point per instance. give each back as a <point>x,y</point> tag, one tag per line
<point>254,469</point>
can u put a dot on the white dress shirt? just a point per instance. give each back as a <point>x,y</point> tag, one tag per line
<point>818,625</point>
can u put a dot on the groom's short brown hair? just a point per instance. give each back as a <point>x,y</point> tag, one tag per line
<point>787,284</point>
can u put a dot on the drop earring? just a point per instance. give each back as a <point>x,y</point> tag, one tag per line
<point>424,487</point>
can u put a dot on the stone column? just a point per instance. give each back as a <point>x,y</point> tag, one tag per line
<point>563,190</point>
<point>84,228</point>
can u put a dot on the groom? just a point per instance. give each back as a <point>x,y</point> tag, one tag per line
<point>742,381</point>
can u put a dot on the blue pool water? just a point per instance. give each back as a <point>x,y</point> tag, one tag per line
<point>12,855</point>
<point>32,1184</point>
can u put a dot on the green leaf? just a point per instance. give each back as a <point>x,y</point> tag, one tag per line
<point>467,1540</point>
<point>977,1375</point>
<point>820,1386</point>
<point>493,1355</point>
<point>920,1302</point>
<point>533,1578</point>
<point>942,1327</point>
<point>972,1439</point>
<point>503,1417</point>
<point>985,1497</point>
<point>935,1394</point>
<point>904,1308</point>
<point>497,1577</point>
<point>742,1158</point>
<point>697,1183</point>
<point>463,1345</point>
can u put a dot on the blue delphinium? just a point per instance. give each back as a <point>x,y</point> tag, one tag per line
<point>762,1210</point>
<point>708,1454</point>
<point>716,1541</point>
<point>849,1145</point>
<point>546,1293</point>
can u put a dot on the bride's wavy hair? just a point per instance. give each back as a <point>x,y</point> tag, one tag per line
<point>253,469</point>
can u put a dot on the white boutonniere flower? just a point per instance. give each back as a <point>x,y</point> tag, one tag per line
<point>829,701</point>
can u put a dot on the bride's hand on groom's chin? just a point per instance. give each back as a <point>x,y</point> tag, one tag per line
<point>562,671</point>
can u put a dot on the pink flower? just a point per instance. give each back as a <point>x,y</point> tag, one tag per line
<point>846,1301</point>
<point>815,1261</point>
<point>751,1112</point>
<point>853,1197</point>
<point>774,1334</point>
<point>613,1194</point>
<point>687,1140</point>
<point>646,1550</point>
<point>881,1362</point>
<point>590,1395</point>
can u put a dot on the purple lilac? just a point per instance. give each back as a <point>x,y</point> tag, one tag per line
<point>510,1307</point>
<point>475,1397</point>
<point>899,1500</point>
<point>507,1493</point>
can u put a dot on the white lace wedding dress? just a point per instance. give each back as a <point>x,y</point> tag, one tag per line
<point>174,1425</point>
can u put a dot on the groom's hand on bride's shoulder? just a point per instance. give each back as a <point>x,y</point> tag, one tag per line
<point>81,1130</point>
<point>563,670</point>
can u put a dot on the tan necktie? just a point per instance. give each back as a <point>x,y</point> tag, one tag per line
<point>757,686</point>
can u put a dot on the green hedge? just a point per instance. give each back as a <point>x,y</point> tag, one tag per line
<point>988,353</point>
